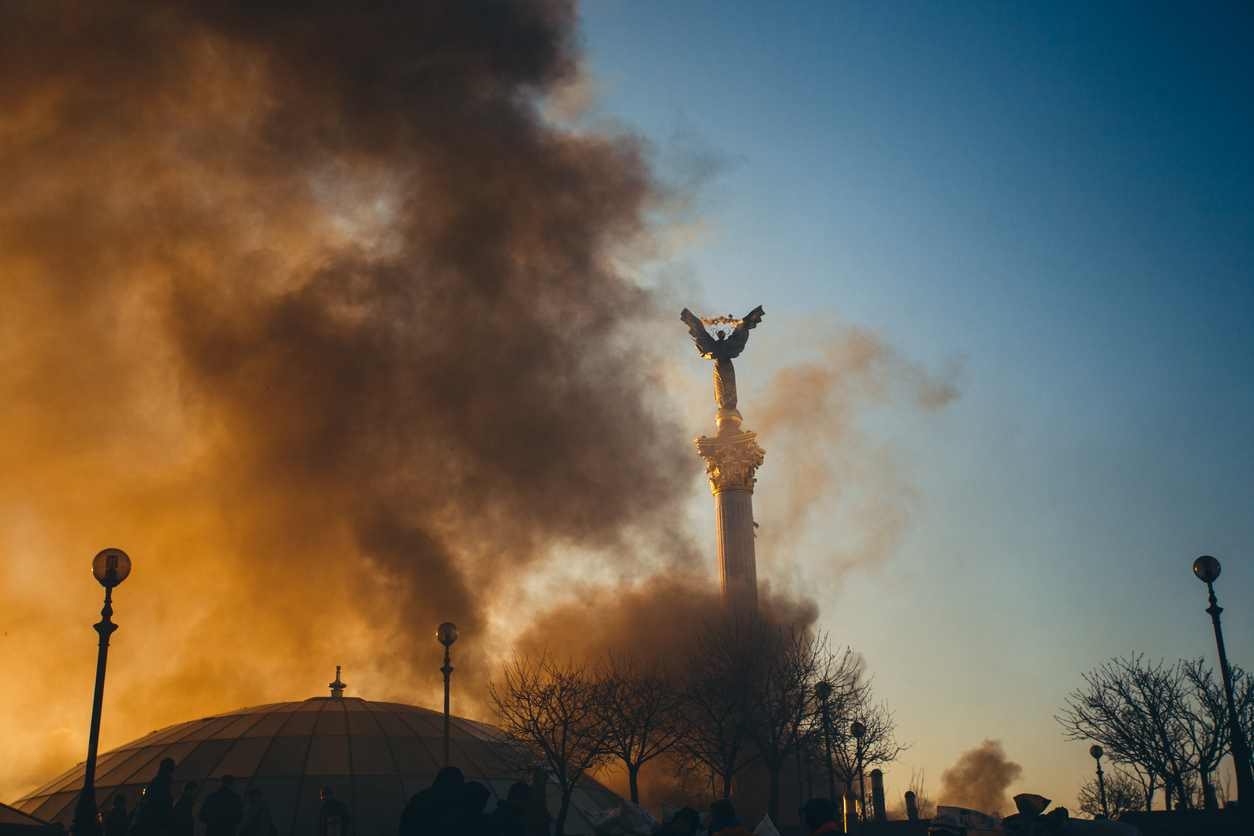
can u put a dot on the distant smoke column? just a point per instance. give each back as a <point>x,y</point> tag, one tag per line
<point>732,458</point>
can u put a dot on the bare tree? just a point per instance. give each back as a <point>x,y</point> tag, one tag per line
<point>1206,724</point>
<point>1206,720</point>
<point>853,756</point>
<point>1134,710</point>
<point>1166,723</point>
<point>785,707</point>
<point>549,709</point>
<point>1124,794</point>
<point>717,705</point>
<point>637,710</point>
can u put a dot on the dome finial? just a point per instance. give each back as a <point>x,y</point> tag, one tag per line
<point>337,687</point>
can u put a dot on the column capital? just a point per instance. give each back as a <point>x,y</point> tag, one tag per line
<point>731,461</point>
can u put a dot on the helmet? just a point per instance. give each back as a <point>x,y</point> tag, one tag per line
<point>947,824</point>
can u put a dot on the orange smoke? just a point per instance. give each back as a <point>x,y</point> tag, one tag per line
<point>311,311</point>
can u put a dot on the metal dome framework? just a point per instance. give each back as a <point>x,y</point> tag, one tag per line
<point>373,755</point>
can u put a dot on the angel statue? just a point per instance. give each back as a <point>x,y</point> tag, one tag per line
<point>722,350</point>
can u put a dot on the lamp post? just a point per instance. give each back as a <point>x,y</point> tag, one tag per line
<point>1207,570</point>
<point>1096,752</point>
<point>823,690</point>
<point>110,568</point>
<point>859,731</point>
<point>447,634</point>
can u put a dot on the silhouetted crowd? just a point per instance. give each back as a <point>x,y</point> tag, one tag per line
<point>451,806</point>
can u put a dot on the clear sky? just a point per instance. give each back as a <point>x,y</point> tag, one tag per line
<point>1058,201</point>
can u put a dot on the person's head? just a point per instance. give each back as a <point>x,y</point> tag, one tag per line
<point>722,809</point>
<point>190,788</point>
<point>946,824</point>
<point>817,811</point>
<point>254,795</point>
<point>519,795</point>
<point>119,801</point>
<point>449,778</point>
<point>326,795</point>
<point>475,796</point>
<point>686,822</point>
<point>227,781</point>
<point>167,766</point>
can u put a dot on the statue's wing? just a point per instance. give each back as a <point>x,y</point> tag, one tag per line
<point>705,343</point>
<point>736,341</point>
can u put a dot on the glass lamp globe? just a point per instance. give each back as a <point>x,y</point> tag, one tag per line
<point>1206,568</point>
<point>1096,751</point>
<point>857,729</point>
<point>823,690</point>
<point>111,567</point>
<point>446,633</point>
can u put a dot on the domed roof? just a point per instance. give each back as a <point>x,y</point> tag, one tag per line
<point>373,755</point>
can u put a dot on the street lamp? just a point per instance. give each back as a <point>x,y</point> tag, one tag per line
<point>1096,752</point>
<point>447,634</point>
<point>1207,570</point>
<point>110,568</point>
<point>823,690</point>
<point>859,731</point>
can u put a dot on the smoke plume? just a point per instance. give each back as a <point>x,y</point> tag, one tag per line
<point>979,780</point>
<point>825,472</point>
<point>310,309</point>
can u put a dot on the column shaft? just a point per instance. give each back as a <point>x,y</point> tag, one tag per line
<point>737,559</point>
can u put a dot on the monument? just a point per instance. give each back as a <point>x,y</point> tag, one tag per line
<point>732,458</point>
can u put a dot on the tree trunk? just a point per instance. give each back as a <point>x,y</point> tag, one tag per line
<point>633,771</point>
<point>1209,802</point>
<point>773,805</point>
<point>560,829</point>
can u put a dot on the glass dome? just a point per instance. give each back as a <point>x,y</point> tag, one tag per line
<point>373,755</point>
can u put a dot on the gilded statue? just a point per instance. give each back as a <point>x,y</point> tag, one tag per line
<point>721,351</point>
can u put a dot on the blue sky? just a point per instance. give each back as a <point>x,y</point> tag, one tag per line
<point>1058,198</point>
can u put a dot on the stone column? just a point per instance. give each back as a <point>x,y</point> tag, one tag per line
<point>732,458</point>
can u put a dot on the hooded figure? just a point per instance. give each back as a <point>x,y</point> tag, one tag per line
<point>723,821</point>
<point>469,819</point>
<point>427,808</point>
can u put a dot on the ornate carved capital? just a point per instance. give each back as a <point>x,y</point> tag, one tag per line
<point>731,461</point>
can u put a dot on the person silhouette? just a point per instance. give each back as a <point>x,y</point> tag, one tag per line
<point>182,822</point>
<point>426,809</point>
<point>115,820</point>
<point>331,806</point>
<point>222,809</point>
